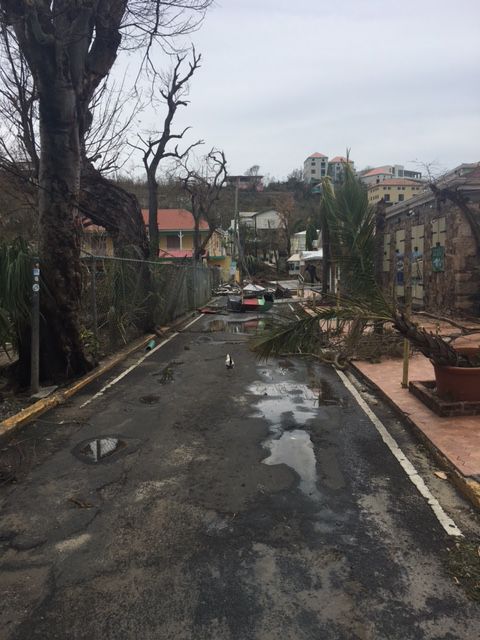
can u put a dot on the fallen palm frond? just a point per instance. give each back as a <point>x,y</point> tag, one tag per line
<point>431,345</point>
<point>324,331</point>
<point>320,330</point>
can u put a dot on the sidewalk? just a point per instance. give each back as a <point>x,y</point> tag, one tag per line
<point>455,441</point>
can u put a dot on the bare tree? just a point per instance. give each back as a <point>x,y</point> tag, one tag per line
<point>155,146</point>
<point>204,185</point>
<point>284,204</point>
<point>70,47</point>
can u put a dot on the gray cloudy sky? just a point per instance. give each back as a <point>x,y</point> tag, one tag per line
<point>281,79</point>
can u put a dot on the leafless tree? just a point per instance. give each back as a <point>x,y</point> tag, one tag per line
<point>204,186</point>
<point>70,47</point>
<point>156,146</point>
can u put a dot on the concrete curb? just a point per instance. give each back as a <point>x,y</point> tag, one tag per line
<point>59,397</point>
<point>469,488</point>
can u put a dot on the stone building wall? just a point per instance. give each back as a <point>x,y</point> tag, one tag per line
<point>434,246</point>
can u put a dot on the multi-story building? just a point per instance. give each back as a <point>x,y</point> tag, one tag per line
<point>394,190</point>
<point>315,167</point>
<point>336,167</point>
<point>318,166</point>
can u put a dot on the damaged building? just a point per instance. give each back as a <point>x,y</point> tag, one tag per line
<point>432,245</point>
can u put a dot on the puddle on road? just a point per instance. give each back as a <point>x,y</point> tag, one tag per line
<point>254,325</point>
<point>286,404</point>
<point>288,407</point>
<point>295,449</point>
<point>98,449</point>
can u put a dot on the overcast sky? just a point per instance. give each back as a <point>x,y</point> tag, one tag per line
<point>396,82</point>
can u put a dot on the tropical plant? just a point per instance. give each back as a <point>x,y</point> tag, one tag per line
<point>15,283</point>
<point>360,302</point>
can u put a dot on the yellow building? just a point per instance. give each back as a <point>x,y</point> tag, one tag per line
<point>394,190</point>
<point>176,231</point>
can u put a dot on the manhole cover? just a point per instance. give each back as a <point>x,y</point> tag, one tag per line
<point>151,399</point>
<point>98,449</point>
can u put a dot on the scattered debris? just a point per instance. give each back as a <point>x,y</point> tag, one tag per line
<point>229,363</point>
<point>150,345</point>
<point>441,474</point>
<point>282,292</point>
<point>44,392</point>
<point>226,289</point>
<point>98,449</point>
<point>81,504</point>
<point>464,566</point>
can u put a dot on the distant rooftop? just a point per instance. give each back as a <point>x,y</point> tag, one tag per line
<point>339,159</point>
<point>397,182</point>
<point>174,220</point>
<point>377,172</point>
<point>318,155</point>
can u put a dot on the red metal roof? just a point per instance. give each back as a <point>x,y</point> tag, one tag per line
<point>175,253</point>
<point>318,155</point>
<point>339,159</point>
<point>174,220</point>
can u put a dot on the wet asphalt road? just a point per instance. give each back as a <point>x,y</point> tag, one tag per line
<point>248,504</point>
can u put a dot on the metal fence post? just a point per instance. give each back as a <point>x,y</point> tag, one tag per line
<point>35,338</point>
<point>93,276</point>
<point>194,285</point>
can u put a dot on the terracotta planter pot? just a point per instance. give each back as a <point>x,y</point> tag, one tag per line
<point>459,384</point>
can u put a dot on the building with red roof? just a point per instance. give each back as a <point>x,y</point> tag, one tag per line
<point>318,166</point>
<point>315,167</point>
<point>176,231</point>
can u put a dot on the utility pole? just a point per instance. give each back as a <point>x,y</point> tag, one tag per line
<point>35,340</point>
<point>235,221</point>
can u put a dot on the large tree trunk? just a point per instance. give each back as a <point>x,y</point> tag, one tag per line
<point>196,239</point>
<point>61,353</point>
<point>152,214</point>
<point>117,210</point>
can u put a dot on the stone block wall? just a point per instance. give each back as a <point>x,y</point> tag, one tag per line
<point>452,288</point>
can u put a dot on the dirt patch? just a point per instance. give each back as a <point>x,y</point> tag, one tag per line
<point>464,566</point>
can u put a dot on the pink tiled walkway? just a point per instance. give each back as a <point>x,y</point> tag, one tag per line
<point>457,438</point>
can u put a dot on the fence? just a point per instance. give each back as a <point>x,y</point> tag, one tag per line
<point>120,296</point>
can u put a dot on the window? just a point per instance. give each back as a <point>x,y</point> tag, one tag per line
<point>386,197</point>
<point>314,171</point>
<point>173,242</point>
<point>401,197</point>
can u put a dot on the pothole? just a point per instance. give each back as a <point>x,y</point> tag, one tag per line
<point>98,449</point>
<point>150,399</point>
